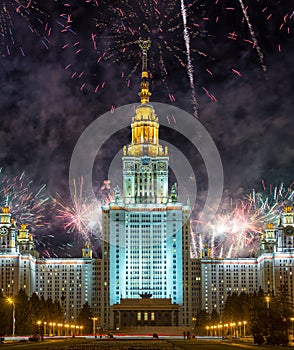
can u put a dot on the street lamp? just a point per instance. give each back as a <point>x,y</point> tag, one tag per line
<point>59,325</point>
<point>244,323</point>
<point>11,301</point>
<point>292,319</point>
<point>267,298</point>
<point>226,328</point>
<point>39,326</point>
<point>94,319</point>
<point>239,329</point>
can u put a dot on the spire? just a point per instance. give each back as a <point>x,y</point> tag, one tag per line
<point>145,126</point>
<point>7,201</point>
<point>144,93</point>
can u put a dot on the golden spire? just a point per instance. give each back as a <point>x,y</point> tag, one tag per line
<point>144,93</point>
<point>145,127</point>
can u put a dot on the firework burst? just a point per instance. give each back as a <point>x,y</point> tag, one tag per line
<point>115,31</point>
<point>83,217</point>
<point>14,12</point>
<point>28,203</point>
<point>192,35</point>
<point>235,231</point>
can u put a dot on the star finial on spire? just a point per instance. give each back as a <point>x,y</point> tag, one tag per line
<point>144,93</point>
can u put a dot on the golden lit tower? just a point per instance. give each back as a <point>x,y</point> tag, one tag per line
<point>145,161</point>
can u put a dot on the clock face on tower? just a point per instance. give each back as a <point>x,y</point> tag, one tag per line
<point>3,231</point>
<point>289,230</point>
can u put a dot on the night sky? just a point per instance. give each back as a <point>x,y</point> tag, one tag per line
<point>49,77</point>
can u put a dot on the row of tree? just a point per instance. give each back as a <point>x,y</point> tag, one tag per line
<point>30,310</point>
<point>269,317</point>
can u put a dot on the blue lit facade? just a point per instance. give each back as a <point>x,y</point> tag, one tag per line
<point>145,226</point>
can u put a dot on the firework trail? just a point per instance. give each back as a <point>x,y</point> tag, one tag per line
<point>83,217</point>
<point>236,229</point>
<point>27,203</point>
<point>272,200</point>
<point>36,20</point>
<point>253,36</point>
<point>190,69</point>
<point>114,40</point>
<point>179,30</point>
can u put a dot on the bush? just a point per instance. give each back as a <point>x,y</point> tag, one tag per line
<point>258,339</point>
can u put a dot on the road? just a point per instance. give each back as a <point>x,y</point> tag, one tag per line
<point>82,344</point>
<point>215,345</point>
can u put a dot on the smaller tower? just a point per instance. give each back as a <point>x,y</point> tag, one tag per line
<point>285,232</point>
<point>87,251</point>
<point>25,240</point>
<point>7,230</point>
<point>268,239</point>
<point>205,252</point>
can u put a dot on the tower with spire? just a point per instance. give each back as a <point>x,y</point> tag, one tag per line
<point>146,229</point>
<point>145,161</point>
<point>17,255</point>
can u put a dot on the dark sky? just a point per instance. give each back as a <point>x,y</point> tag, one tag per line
<point>43,110</point>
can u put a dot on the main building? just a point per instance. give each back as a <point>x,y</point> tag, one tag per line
<point>145,276</point>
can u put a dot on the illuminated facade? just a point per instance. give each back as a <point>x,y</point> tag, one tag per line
<point>68,280</point>
<point>270,271</point>
<point>148,230</point>
<point>145,275</point>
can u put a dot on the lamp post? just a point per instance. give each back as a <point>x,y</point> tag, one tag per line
<point>11,301</point>
<point>39,326</point>
<point>239,332</point>
<point>292,330</point>
<point>94,319</point>
<point>267,298</point>
<point>45,323</point>
<point>244,324</point>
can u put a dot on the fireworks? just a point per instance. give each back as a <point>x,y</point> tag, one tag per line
<point>115,31</point>
<point>83,217</point>
<point>14,12</point>
<point>236,230</point>
<point>192,35</point>
<point>27,202</point>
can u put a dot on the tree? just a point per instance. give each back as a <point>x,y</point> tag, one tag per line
<point>203,320</point>
<point>215,317</point>
<point>85,318</point>
<point>5,316</point>
<point>22,311</point>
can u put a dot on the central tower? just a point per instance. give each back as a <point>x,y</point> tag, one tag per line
<point>145,161</point>
<point>146,232</point>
